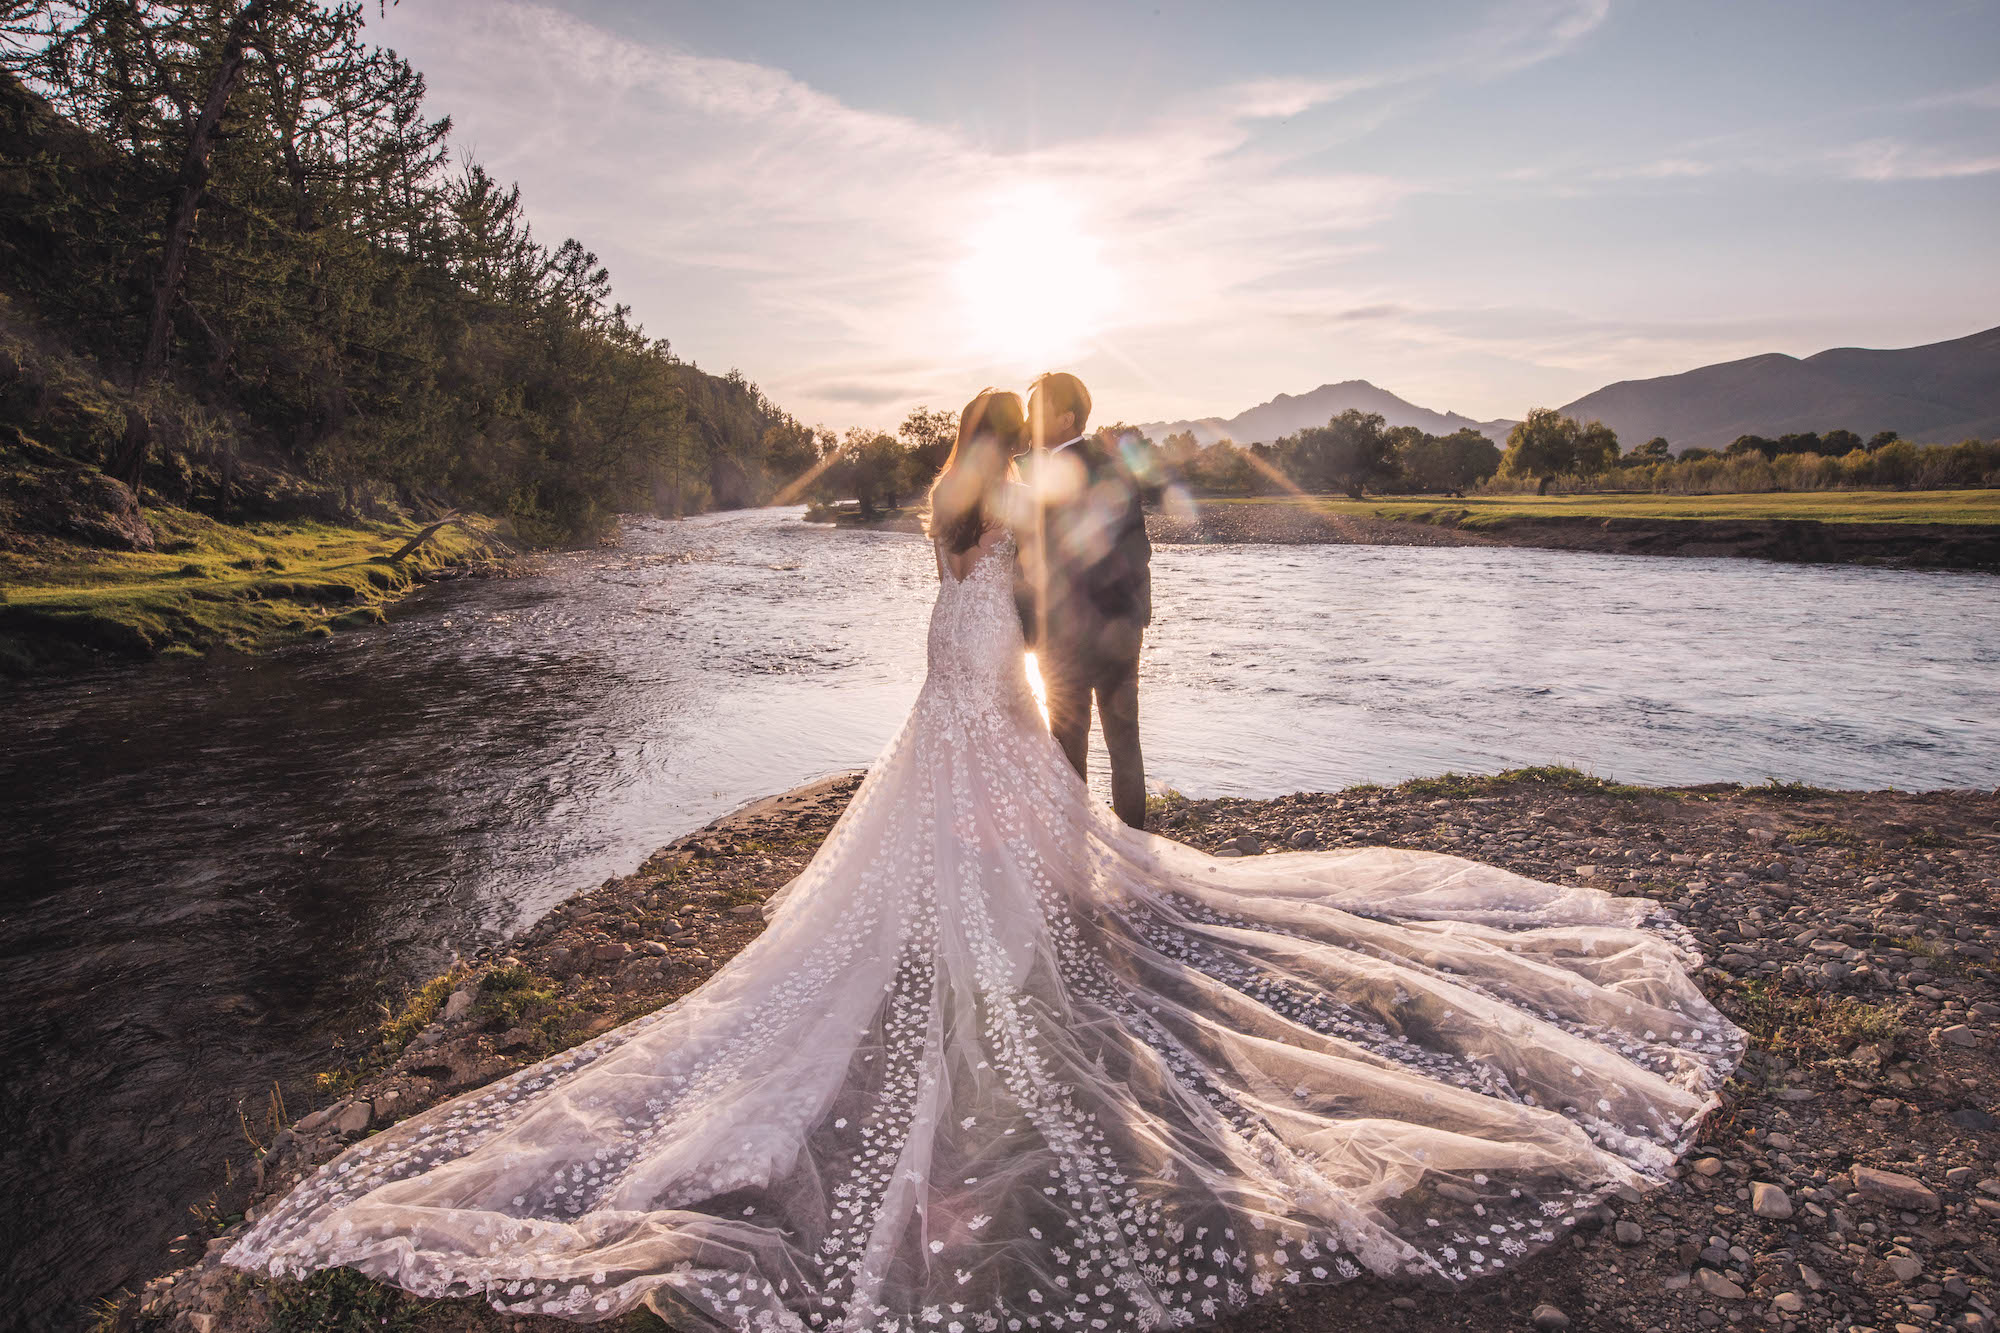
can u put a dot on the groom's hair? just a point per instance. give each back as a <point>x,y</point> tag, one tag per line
<point>1062,392</point>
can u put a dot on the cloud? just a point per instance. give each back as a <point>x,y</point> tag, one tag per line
<point>1666,168</point>
<point>1893,160</point>
<point>1360,312</point>
<point>836,231</point>
<point>821,246</point>
<point>861,393</point>
<point>1986,96</point>
<point>1524,33</point>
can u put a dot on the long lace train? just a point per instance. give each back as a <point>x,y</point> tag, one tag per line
<point>999,1061</point>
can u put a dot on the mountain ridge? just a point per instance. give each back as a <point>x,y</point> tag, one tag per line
<point>1288,413</point>
<point>1935,393</point>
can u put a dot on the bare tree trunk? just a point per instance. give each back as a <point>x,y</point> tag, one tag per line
<point>191,186</point>
<point>423,537</point>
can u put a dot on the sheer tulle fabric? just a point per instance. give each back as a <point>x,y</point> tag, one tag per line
<point>999,1061</point>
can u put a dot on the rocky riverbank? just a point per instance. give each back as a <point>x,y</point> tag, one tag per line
<point>1909,545</point>
<point>1851,1180</point>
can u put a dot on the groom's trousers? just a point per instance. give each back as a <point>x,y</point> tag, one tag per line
<point>1070,683</point>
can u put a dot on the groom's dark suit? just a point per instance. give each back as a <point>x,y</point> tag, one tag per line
<point>1085,595</point>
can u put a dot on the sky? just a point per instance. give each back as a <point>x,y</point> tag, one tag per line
<point>1481,205</point>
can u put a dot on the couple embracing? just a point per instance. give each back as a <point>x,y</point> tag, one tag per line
<point>1082,580</point>
<point>1001,1061</point>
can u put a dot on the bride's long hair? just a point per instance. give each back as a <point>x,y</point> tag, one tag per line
<point>966,498</point>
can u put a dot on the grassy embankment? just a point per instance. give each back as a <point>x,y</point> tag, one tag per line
<point>1974,508</point>
<point>211,585</point>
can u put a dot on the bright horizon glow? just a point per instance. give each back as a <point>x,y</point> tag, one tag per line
<point>1033,285</point>
<point>1242,200</point>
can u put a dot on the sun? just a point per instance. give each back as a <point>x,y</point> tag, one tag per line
<point>1033,280</point>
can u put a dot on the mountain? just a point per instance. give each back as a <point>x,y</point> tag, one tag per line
<point>1940,393</point>
<point>1289,413</point>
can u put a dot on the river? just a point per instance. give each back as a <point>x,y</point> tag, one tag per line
<point>214,869</point>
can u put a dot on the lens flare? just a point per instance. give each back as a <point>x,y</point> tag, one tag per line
<point>1035,685</point>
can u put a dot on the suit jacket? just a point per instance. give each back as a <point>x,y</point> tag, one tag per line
<point>1089,568</point>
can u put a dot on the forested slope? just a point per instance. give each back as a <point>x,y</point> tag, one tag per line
<point>242,270</point>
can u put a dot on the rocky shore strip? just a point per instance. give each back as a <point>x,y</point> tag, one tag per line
<point>1902,545</point>
<point>1851,1180</point>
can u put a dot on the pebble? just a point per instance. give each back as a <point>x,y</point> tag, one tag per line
<point>1720,1251</point>
<point>1898,1191</point>
<point>1769,1201</point>
<point>1549,1318</point>
<point>352,1118</point>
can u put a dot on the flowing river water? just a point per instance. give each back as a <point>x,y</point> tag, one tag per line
<point>213,869</point>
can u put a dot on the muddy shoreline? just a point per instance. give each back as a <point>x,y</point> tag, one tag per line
<point>1851,1180</point>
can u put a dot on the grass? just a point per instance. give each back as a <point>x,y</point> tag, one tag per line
<point>209,585</point>
<point>1828,835</point>
<point>1813,1028</point>
<point>1460,785</point>
<point>511,994</point>
<point>1979,508</point>
<point>401,1026</point>
<point>1789,791</point>
<point>1936,957</point>
<point>398,1028</point>
<point>340,1300</point>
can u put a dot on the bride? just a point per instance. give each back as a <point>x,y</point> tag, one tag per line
<point>999,1061</point>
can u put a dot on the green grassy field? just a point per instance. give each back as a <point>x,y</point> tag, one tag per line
<point>210,585</point>
<point>1979,508</point>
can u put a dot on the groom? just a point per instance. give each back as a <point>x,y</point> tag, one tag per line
<point>1085,593</point>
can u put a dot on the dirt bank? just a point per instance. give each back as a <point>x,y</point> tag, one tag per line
<point>1850,1180</point>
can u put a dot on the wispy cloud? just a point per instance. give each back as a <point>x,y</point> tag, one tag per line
<point>764,222</point>
<point>1986,96</point>
<point>1524,33</point>
<point>843,226</point>
<point>1894,160</point>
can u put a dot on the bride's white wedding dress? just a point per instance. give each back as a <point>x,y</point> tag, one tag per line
<point>1001,1062</point>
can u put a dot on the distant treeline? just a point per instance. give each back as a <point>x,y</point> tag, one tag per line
<point>1354,452</point>
<point>1549,451</point>
<point>233,237</point>
<point>1357,453</point>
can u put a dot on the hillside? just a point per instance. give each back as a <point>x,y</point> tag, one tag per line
<point>208,303</point>
<point>1936,394</point>
<point>1289,413</point>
